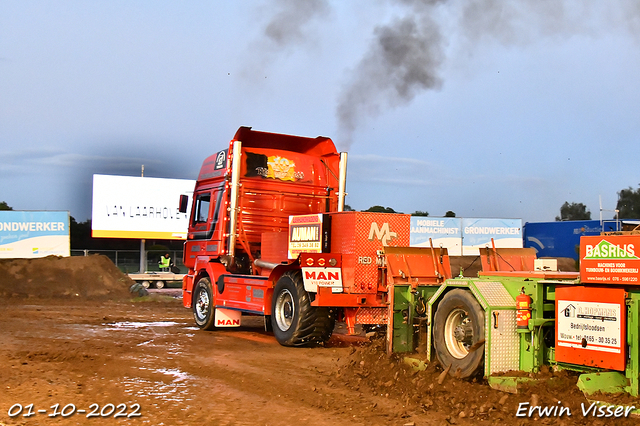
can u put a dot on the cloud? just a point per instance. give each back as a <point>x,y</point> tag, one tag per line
<point>27,160</point>
<point>388,170</point>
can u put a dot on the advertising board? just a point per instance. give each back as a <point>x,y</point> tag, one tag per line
<point>465,236</point>
<point>478,233</point>
<point>32,234</point>
<point>591,326</point>
<point>305,234</point>
<point>139,207</point>
<point>609,259</point>
<point>443,231</point>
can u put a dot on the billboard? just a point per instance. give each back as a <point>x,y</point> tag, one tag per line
<point>139,207</point>
<point>443,231</point>
<point>465,236</point>
<point>31,234</point>
<point>478,233</point>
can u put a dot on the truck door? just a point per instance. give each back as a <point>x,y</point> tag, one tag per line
<point>203,229</point>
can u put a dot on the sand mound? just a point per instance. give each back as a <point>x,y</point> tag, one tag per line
<point>369,370</point>
<point>90,277</point>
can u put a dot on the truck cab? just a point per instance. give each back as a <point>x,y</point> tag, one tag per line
<point>238,229</point>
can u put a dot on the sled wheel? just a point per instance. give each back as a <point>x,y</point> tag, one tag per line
<point>458,333</point>
<point>204,304</point>
<point>294,321</point>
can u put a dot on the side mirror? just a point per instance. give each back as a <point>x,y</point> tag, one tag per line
<point>184,203</point>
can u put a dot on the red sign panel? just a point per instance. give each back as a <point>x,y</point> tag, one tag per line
<point>590,326</point>
<point>610,259</point>
<point>305,234</point>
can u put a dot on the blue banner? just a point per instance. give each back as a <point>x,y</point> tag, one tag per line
<point>27,234</point>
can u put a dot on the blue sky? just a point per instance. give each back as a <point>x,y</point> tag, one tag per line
<point>486,108</point>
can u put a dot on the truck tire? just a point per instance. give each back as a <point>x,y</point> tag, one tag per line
<point>294,321</point>
<point>159,284</point>
<point>458,333</point>
<point>146,284</point>
<point>204,304</point>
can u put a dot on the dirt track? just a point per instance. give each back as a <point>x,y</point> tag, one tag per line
<point>109,350</point>
<point>150,354</point>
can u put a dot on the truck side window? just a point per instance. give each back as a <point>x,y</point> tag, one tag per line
<point>203,202</point>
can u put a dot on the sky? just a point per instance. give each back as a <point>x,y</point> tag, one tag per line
<point>482,107</point>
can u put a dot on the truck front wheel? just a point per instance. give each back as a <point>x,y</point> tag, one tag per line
<point>294,321</point>
<point>204,304</point>
<point>458,333</point>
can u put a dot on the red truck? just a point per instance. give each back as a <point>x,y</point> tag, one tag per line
<point>267,236</point>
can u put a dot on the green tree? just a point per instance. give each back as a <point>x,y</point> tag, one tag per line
<point>348,208</point>
<point>573,211</point>
<point>420,213</point>
<point>449,213</point>
<point>629,204</point>
<point>380,209</point>
<point>5,206</point>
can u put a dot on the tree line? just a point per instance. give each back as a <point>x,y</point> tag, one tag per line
<point>628,207</point>
<point>381,209</point>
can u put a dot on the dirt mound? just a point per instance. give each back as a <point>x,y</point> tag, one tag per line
<point>567,264</point>
<point>90,277</point>
<point>368,369</point>
<point>469,266</point>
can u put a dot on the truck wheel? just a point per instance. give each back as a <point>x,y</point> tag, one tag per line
<point>146,284</point>
<point>458,333</point>
<point>294,321</point>
<point>159,284</point>
<point>204,305</point>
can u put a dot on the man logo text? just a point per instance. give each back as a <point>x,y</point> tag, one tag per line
<point>312,275</point>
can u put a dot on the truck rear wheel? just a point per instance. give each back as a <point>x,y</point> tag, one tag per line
<point>294,321</point>
<point>204,305</point>
<point>458,333</point>
<point>159,284</point>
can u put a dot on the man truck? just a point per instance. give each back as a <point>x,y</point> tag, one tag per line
<point>268,236</point>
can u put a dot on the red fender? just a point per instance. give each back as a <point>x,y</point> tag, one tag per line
<point>202,268</point>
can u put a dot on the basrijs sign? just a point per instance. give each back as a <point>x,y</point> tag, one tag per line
<point>607,250</point>
<point>610,260</point>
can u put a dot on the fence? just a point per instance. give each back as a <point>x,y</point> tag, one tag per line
<point>128,261</point>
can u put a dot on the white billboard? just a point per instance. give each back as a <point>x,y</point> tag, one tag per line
<point>139,207</point>
<point>442,231</point>
<point>478,233</point>
<point>31,234</point>
<point>465,236</point>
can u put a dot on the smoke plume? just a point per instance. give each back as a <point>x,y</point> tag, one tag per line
<point>287,25</point>
<point>402,62</point>
<point>405,56</point>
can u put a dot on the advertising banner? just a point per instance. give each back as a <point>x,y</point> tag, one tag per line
<point>139,207</point>
<point>609,259</point>
<point>31,234</point>
<point>305,234</point>
<point>477,234</point>
<point>444,232</point>
<point>465,236</point>
<point>590,328</point>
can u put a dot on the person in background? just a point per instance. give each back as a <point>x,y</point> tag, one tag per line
<point>165,262</point>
